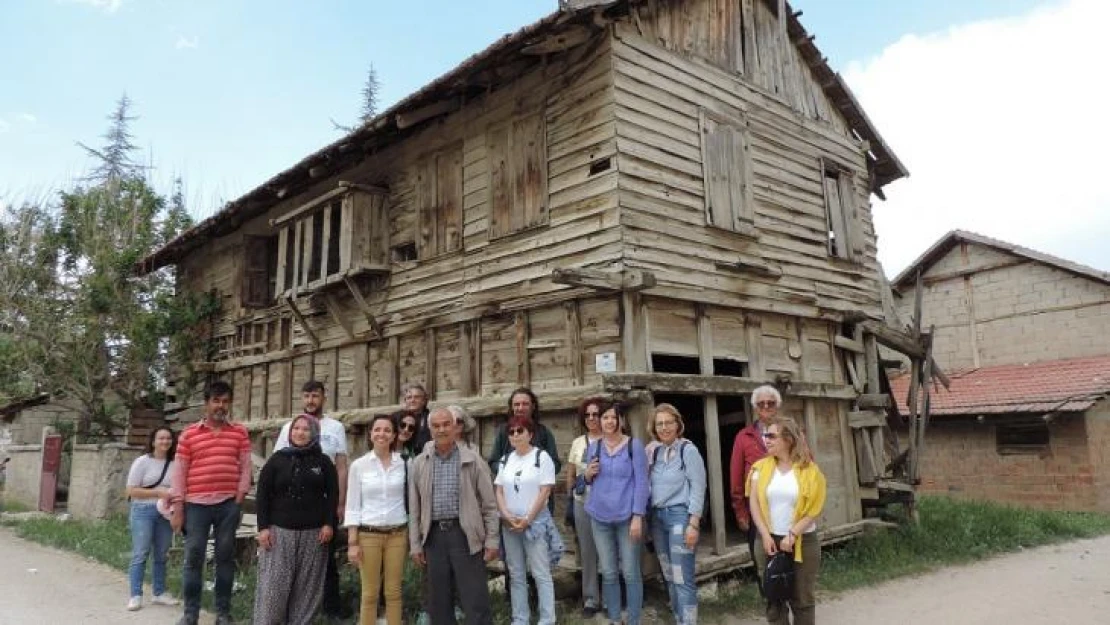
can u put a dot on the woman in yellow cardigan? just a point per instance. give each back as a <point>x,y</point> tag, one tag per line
<point>786,491</point>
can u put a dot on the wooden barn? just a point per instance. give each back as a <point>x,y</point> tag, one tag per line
<point>661,200</point>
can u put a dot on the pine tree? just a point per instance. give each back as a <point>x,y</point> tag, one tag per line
<point>369,109</point>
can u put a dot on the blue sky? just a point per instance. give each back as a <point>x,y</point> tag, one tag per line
<point>231,92</point>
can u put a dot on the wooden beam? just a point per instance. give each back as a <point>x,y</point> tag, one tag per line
<point>574,341</point>
<point>848,344</point>
<point>627,280</point>
<point>866,419</point>
<point>337,316</point>
<point>393,381</point>
<point>865,457</point>
<point>301,320</point>
<point>356,293</point>
<point>871,357</point>
<point>308,206</point>
<point>684,384</point>
<point>430,361</point>
<point>898,341</point>
<point>466,358</point>
<point>880,401</point>
<point>751,264</point>
<point>412,117</point>
<point>523,372</point>
<point>712,438</point>
<point>570,38</point>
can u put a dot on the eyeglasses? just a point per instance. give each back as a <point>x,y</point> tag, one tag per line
<point>770,436</point>
<point>517,431</point>
<point>665,424</point>
<point>766,404</point>
<point>593,415</point>
<point>408,427</point>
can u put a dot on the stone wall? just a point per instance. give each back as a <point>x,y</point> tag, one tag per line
<point>23,475</point>
<point>962,460</point>
<point>28,425</point>
<point>98,478</point>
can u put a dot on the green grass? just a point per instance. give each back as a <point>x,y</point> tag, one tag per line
<point>949,532</point>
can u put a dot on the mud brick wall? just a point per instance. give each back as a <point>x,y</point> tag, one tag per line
<point>98,478</point>
<point>962,460</point>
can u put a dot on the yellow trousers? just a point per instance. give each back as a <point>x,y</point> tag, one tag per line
<point>382,552</point>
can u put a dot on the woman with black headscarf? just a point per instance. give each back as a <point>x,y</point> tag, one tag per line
<point>296,503</point>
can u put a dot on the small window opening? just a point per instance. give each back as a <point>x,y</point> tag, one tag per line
<point>667,363</point>
<point>728,366</point>
<point>1022,438</point>
<point>405,252</point>
<point>333,238</point>
<point>601,165</point>
<point>317,246</point>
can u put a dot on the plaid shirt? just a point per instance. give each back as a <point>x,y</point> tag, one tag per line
<point>445,485</point>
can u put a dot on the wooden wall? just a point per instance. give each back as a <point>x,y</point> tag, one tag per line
<point>491,275</point>
<point>660,98</point>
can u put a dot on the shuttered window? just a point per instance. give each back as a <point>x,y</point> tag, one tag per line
<point>439,198</point>
<point>257,283</point>
<point>518,175</point>
<point>726,163</point>
<point>845,224</point>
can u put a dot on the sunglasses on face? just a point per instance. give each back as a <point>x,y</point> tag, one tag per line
<point>408,427</point>
<point>517,431</point>
<point>765,404</point>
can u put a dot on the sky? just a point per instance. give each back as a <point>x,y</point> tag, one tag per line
<point>993,105</point>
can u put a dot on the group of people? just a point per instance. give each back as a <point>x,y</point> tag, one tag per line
<point>424,492</point>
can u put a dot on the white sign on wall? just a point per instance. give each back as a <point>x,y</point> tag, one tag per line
<point>605,362</point>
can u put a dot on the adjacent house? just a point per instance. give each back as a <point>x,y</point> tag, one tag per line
<point>1026,339</point>
<point>663,200</point>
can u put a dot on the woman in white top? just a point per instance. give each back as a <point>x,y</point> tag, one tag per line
<point>377,521</point>
<point>786,492</point>
<point>589,416</point>
<point>523,485</point>
<point>151,534</point>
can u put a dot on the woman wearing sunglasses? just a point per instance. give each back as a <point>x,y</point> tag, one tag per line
<point>786,492</point>
<point>589,419</point>
<point>618,475</point>
<point>746,450</point>
<point>523,485</point>
<point>406,434</point>
<point>377,521</point>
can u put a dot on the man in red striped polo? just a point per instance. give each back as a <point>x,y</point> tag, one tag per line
<point>212,475</point>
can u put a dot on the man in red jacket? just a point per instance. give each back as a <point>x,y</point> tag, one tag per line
<point>747,448</point>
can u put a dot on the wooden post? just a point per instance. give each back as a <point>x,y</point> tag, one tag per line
<point>393,381</point>
<point>634,350</point>
<point>712,435</point>
<point>361,373</point>
<point>523,370</point>
<point>466,359</point>
<point>574,343</point>
<point>430,362</point>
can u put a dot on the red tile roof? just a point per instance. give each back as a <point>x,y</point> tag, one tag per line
<point>1071,385</point>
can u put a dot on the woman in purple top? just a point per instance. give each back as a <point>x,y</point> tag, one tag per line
<point>617,471</point>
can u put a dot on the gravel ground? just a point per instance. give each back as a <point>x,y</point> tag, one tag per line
<point>1068,583</point>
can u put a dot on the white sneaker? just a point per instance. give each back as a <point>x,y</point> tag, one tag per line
<point>164,599</point>
<point>134,603</point>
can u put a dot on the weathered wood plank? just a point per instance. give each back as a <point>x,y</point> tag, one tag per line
<point>683,384</point>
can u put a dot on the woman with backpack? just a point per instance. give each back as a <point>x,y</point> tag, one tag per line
<point>148,482</point>
<point>618,476</point>
<point>677,501</point>
<point>376,518</point>
<point>786,491</point>
<point>523,486</point>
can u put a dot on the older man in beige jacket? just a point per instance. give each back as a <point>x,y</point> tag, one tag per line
<point>453,523</point>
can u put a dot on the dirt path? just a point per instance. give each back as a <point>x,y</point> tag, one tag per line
<point>1067,583</point>
<point>43,585</point>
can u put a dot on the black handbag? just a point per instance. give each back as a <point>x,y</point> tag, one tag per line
<point>568,517</point>
<point>778,578</point>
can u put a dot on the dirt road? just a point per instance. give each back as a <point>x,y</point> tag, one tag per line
<point>43,585</point>
<point>1067,583</point>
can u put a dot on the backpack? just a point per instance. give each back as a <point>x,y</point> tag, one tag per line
<point>778,578</point>
<point>681,454</point>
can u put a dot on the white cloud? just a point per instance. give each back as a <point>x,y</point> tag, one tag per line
<point>108,6</point>
<point>1002,125</point>
<point>4,125</point>
<point>187,42</point>
<point>28,118</point>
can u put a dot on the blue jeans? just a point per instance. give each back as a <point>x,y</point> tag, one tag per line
<point>668,530</point>
<point>613,545</point>
<point>518,548</point>
<point>151,535</point>
<point>223,519</point>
